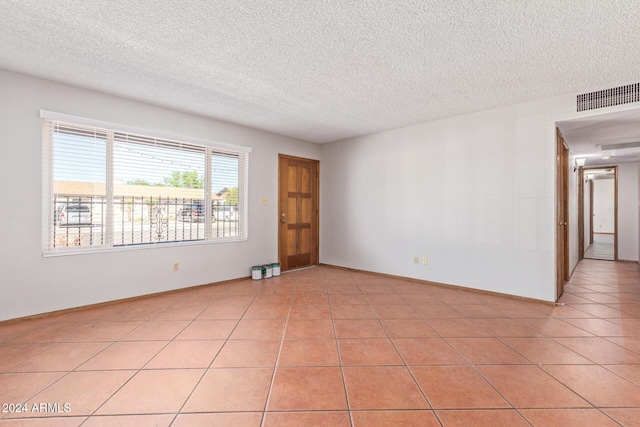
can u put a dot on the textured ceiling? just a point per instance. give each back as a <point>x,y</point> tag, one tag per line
<point>326,70</point>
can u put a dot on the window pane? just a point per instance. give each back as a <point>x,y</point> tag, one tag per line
<point>78,186</point>
<point>158,191</point>
<point>225,215</point>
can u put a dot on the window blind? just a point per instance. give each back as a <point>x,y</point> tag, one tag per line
<point>107,188</point>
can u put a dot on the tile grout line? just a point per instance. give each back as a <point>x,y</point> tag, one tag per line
<point>335,335</point>
<point>142,368</point>
<point>275,367</point>
<point>206,370</point>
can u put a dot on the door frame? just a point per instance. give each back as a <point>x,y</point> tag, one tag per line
<point>282,201</point>
<point>562,213</point>
<point>581,224</point>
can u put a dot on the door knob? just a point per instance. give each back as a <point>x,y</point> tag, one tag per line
<point>283,219</point>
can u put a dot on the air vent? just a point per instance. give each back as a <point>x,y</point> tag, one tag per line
<point>620,146</point>
<point>608,97</point>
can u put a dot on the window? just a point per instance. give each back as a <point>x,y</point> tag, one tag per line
<point>108,187</point>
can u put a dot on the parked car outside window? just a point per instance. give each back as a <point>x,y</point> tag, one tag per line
<point>193,212</point>
<point>71,214</point>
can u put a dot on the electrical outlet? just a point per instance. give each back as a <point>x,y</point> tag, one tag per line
<point>176,266</point>
<point>416,260</point>
<point>425,260</point>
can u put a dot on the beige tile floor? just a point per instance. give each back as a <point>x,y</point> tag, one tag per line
<point>601,248</point>
<point>327,346</point>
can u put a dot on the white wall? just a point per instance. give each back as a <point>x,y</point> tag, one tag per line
<point>628,231</point>
<point>31,284</point>
<point>603,205</point>
<point>474,193</point>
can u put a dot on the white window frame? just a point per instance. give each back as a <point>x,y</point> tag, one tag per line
<point>211,148</point>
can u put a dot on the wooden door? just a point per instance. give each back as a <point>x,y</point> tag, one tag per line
<point>581,213</point>
<point>590,212</point>
<point>298,212</point>
<point>562,214</point>
<point>615,213</point>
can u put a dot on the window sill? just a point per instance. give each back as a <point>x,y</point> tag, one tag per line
<point>72,251</point>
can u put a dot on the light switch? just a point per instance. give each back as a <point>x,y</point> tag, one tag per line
<point>265,202</point>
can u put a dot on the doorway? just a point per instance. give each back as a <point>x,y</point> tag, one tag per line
<point>298,204</point>
<point>598,199</point>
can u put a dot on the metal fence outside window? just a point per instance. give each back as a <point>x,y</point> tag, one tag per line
<point>138,220</point>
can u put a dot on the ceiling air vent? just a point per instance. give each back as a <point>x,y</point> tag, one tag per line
<point>621,146</point>
<point>608,97</point>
